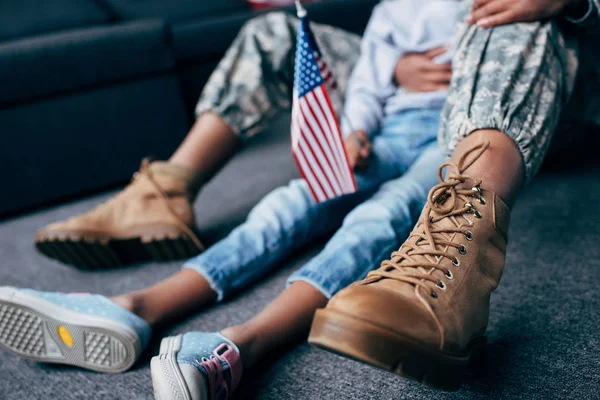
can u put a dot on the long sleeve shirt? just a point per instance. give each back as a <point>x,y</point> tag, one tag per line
<point>394,29</point>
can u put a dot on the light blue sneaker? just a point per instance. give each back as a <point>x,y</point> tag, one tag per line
<point>196,366</point>
<point>85,330</point>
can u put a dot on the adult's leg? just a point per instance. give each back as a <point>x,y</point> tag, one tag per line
<point>519,118</point>
<point>154,217</point>
<point>253,83</point>
<point>423,314</point>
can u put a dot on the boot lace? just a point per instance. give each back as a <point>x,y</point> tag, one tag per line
<point>146,171</point>
<point>415,263</point>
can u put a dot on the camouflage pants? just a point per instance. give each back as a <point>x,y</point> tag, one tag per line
<point>515,78</point>
<point>254,80</point>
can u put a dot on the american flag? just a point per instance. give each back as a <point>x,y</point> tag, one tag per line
<point>317,142</point>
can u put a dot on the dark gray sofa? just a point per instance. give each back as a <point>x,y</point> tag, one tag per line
<point>89,87</point>
<point>543,340</point>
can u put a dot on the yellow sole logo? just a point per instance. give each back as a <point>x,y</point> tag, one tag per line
<point>65,336</point>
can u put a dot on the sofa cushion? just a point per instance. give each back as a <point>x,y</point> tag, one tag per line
<point>20,18</point>
<point>66,146</point>
<point>173,9</point>
<point>52,64</point>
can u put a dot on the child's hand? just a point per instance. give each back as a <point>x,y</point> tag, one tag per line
<point>358,149</point>
<point>488,13</point>
<point>417,72</point>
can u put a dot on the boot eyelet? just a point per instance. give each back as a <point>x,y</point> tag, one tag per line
<point>469,235</point>
<point>473,210</point>
<point>462,250</point>
<point>478,195</point>
<point>441,286</point>
<point>434,295</point>
<point>449,274</point>
<point>456,262</point>
<point>204,359</point>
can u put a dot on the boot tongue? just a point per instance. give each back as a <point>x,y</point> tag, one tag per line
<point>451,222</point>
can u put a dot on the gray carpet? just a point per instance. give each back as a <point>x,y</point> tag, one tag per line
<point>543,335</point>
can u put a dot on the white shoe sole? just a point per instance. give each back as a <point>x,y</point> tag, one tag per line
<point>39,330</point>
<point>172,381</point>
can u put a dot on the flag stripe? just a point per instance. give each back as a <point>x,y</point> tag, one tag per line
<point>320,176</point>
<point>328,108</point>
<point>316,169</point>
<point>340,152</point>
<point>325,128</point>
<point>320,156</point>
<point>305,169</point>
<point>307,116</point>
<point>308,176</point>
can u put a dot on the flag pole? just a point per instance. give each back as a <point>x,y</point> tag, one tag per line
<point>300,10</point>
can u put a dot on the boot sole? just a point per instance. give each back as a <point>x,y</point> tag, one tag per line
<point>371,344</point>
<point>92,253</point>
<point>39,330</point>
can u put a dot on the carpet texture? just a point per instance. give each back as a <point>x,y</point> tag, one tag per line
<point>543,335</point>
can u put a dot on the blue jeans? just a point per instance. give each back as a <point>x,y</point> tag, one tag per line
<point>372,222</point>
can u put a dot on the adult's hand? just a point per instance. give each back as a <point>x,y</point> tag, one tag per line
<point>417,72</point>
<point>488,13</point>
<point>358,149</point>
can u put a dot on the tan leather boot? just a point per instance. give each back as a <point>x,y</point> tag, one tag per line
<point>424,312</point>
<point>152,218</point>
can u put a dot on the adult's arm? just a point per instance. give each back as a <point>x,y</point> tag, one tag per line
<point>489,13</point>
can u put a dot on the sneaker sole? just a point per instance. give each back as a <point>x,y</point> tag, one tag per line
<point>167,379</point>
<point>39,330</point>
<point>371,344</point>
<point>93,254</point>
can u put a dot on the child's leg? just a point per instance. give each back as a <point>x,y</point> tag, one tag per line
<point>285,320</point>
<point>367,236</point>
<point>373,229</point>
<point>284,220</point>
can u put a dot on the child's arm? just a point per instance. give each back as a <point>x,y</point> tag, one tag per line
<point>372,79</point>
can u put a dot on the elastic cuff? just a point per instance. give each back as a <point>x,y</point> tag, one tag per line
<point>514,130</point>
<point>311,282</point>
<point>211,280</point>
<point>204,108</point>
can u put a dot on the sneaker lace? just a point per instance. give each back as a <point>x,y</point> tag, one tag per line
<point>214,376</point>
<point>416,261</point>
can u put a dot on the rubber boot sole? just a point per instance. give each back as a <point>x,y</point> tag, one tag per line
<point>39,330</point>
<point>91,254</point>
<point>371,344</point>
